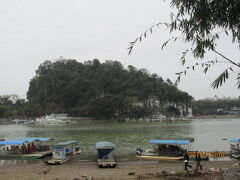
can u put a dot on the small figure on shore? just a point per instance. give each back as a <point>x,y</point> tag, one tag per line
<point>139,151</point>
<point>198,159</point>
<point>186,160</point>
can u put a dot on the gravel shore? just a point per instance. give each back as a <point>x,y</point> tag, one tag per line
<point>77,170</point>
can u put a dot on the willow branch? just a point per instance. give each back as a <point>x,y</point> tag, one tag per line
<point>226,58</point>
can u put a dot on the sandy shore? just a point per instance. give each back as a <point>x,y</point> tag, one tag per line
<point>77,170</point>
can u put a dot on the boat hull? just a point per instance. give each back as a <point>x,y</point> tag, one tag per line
<point>160,157</point>
<point>36,155</point>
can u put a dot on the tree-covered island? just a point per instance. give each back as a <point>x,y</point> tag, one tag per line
<point>98,90</point>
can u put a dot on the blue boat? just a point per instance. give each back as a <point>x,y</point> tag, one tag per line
<point>165,149</point>
<point>105,157</point>
<point>24,148</point>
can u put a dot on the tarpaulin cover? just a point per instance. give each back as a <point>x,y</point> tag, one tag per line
<point>105,145</point>
<point>234,139</point>
<point>11,142</point>
<point>191,139</point>
<point>22,140</point>
<point>169,141</point>
<point>65,143</point>
<point>31,139</point>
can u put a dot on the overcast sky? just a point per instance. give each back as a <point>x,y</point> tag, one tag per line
<point>32,31</point>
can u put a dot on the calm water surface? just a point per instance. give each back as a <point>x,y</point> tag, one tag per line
<point>128,136</point>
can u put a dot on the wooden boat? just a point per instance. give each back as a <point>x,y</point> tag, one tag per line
<point>24,148</point>
<point>164,149</point>
<point>234,147</point>
<point>105,157</point>
<point>63,152</point>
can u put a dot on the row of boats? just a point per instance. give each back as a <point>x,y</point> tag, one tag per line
<point>36,147</point>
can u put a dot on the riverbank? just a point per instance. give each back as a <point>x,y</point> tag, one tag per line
<point>78,170</point>
<point>217,116</point>
<point>162,119</point>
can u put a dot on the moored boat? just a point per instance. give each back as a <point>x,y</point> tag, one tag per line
<point>24,148</point>
<point>63,152</point>
<point>104,154</point>
<point>165,149</point>
<point>234,147</point>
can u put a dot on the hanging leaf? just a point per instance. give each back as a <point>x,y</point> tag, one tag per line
<point>165,43</point>
<point>238,79</point>
<point>205,70</point>
<point>220,80</point>
<point>183,61</point>
<point>178,80</point>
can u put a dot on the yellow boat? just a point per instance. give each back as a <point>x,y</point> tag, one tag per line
<point>160,157</point>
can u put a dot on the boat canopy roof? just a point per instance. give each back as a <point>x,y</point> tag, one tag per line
<point>168,141</point>
<point>105,145</point>
<point>234,139</point>
<point>65,143</point>
<point>31,139</point>
<point>22,140</point>
<point>11,143</point>
<point>191,139</point>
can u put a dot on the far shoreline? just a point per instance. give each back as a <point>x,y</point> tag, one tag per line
<point>5,121</point>
<point>216,116</point>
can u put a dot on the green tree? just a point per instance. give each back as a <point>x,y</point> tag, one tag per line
<point>198,21</point>
<point>3,110</point>
<point>31,110</point>
<point>172,111</point>
<point>209,107</point>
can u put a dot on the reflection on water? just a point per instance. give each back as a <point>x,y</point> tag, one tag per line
<point>128,136</point>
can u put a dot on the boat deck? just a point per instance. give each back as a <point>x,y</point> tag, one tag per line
<point>110,162</point>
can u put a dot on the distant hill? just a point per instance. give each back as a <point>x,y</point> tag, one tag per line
<point>101,90</point>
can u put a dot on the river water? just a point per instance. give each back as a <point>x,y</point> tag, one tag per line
<point>208,134</point>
